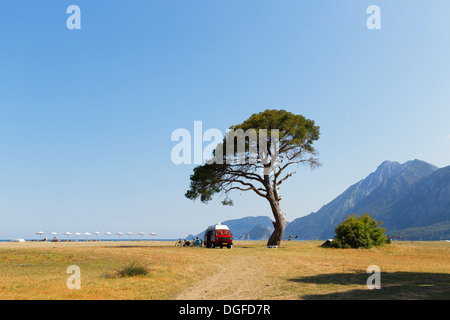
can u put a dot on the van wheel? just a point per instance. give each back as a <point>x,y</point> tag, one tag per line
<point>229,246</point>
<point>212,245</point>
<point>221,246</point>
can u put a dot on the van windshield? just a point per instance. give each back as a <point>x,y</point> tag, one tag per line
<point>223,232</point>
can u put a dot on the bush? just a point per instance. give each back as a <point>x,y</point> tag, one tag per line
<point>362,232</point>
<point>133,269</point>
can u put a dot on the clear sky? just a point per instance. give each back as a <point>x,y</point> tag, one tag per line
<point>86,115</point>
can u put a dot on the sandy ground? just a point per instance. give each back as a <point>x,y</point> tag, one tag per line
<point>241,276</point>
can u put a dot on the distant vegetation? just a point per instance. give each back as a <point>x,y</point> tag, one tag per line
<point>362,232</point>
<point>432,232</point>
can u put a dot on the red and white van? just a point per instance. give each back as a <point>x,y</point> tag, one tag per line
<point>218,236</point>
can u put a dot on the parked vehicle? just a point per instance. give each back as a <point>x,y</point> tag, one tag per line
<point>218,236</point>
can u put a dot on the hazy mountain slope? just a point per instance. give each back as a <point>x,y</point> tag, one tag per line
<point>243,226</point>
<point>259,232</point>
<point>426,203</point>
<point>375,194</point>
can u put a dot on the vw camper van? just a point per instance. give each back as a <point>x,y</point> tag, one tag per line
<point>218,236</point>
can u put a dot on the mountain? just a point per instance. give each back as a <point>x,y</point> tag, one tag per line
<point>258,232</point>
<point>245,227</point>
<point>413,194</point>
<point>425,204</point>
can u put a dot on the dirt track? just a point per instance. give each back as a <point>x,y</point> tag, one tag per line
<point>240,276</point>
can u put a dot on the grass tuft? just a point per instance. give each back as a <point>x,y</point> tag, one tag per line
<point>132,270</point>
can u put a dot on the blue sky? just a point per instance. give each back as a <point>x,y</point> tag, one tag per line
<point>86,115</point>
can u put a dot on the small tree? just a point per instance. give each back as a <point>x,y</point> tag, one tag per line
<point>362,232</point>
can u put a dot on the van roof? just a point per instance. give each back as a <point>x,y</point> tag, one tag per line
<point>218,227</point>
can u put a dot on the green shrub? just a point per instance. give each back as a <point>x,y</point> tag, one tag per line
<point>132,270</point>
<point>362,232</point>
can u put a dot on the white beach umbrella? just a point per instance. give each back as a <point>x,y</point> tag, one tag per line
<point>40,233</point>
<point>108,234</point>
<point>77,234</point>
<point>96,234</point>
<point>119,234</point>
<point>67,234</point>
<point>129,234</point>
<point>153,234</point>
<point>87,234</point>
<point>141,234</point>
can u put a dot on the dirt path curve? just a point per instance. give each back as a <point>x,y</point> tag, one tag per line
<point>239,277</point>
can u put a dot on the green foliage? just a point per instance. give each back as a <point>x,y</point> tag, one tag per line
<point>205,182</point>
<point>294,130</point>
<point>296,135</point>
<point>438,231</point>
<point>362,232</point>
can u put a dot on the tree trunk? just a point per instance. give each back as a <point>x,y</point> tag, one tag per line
<point>279,224</point>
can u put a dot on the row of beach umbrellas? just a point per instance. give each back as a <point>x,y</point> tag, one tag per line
<point>96,233</point>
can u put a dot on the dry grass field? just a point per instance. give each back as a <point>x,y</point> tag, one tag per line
<point>296,270</point>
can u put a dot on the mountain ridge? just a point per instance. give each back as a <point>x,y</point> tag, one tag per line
<point>381,194</point>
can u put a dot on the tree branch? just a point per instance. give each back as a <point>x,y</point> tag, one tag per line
<point>258,191</point>
<point>285,178</point>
